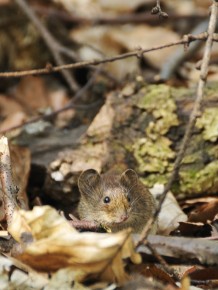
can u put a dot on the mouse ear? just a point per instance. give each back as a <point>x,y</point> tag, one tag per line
<point>88,179</point>
<point>129,178</point>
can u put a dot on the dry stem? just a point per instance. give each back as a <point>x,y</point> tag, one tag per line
<point>135,53</point>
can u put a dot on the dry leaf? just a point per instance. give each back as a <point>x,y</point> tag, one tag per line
<point>56,245</point>
<point>102,124</point>
<point>100,40</point>
<point>58,99</point>
<point>11,112</point>
<point>205,212</point>
<point>145,36</point>
<point>188,229</point>
<point>32,94</point>
<point>171,214</point>
<point>90,8</point>
<point>20,160</point>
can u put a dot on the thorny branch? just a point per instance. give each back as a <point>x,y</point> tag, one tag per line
<point>135,53</point>
<point>54,46</point>
<point>192,119</point>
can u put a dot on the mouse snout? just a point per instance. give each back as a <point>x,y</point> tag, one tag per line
<point>124,217</point>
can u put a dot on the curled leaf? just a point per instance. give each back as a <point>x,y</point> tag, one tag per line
<point>56,245</point>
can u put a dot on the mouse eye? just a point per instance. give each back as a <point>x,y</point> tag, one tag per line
<point>128,198</point>
<point>107,199</point>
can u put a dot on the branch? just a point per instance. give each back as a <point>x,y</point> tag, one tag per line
<point>162,261</point>
<point>192,119</point>
<point>136,53</point>
<point>55,47</point>
<point>136,18</point>
<point>189,250</point>
<point>84,225</point>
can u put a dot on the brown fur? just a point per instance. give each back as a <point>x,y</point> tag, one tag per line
<point>131,204</point>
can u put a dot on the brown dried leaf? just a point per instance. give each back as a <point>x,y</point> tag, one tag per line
<point>15,119</point>
<point>20,160</point>
<point>188,229</point>
<point>154,272</point>
<point>204,274</point>
<point>11,113</point>
<point>205,212</point>
<point>32,94</point>
<point>56,245</point>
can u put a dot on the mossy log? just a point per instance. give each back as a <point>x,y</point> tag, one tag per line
<point>141,127</point>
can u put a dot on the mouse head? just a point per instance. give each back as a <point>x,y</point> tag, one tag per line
<point>106,197</point>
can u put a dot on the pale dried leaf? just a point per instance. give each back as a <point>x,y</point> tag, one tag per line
<point>14,119</point>
<point>64,279</point>
<point>145,36</point>
<point>58,99</point>
<point>171,213</point>
<point>18,278</point>
<point>102,42</point>
<point>56,245</point>
<point>90,8</point>
<point>103,122</point>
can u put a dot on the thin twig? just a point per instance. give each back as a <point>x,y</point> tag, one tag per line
<point>164,264</point>
<point>84,225</point>
<point>192,119</point>
<point>136,18</point>
<point>135,53</point>
<point>54,46</point>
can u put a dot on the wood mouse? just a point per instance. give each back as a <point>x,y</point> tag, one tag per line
<point>115,201</point>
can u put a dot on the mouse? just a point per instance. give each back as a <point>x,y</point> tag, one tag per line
<point>115,201</point>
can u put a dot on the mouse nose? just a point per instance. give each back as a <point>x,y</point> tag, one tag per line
<point>123,217</point>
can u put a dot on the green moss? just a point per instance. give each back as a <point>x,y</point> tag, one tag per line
<point>209,123</point>
<point>212,151</point>
<point>155,95</point>
<point>153,156</point>
<point>158,101</point>
<point>191,158</point>
<point>152,179</point>
<point>198,181</point>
